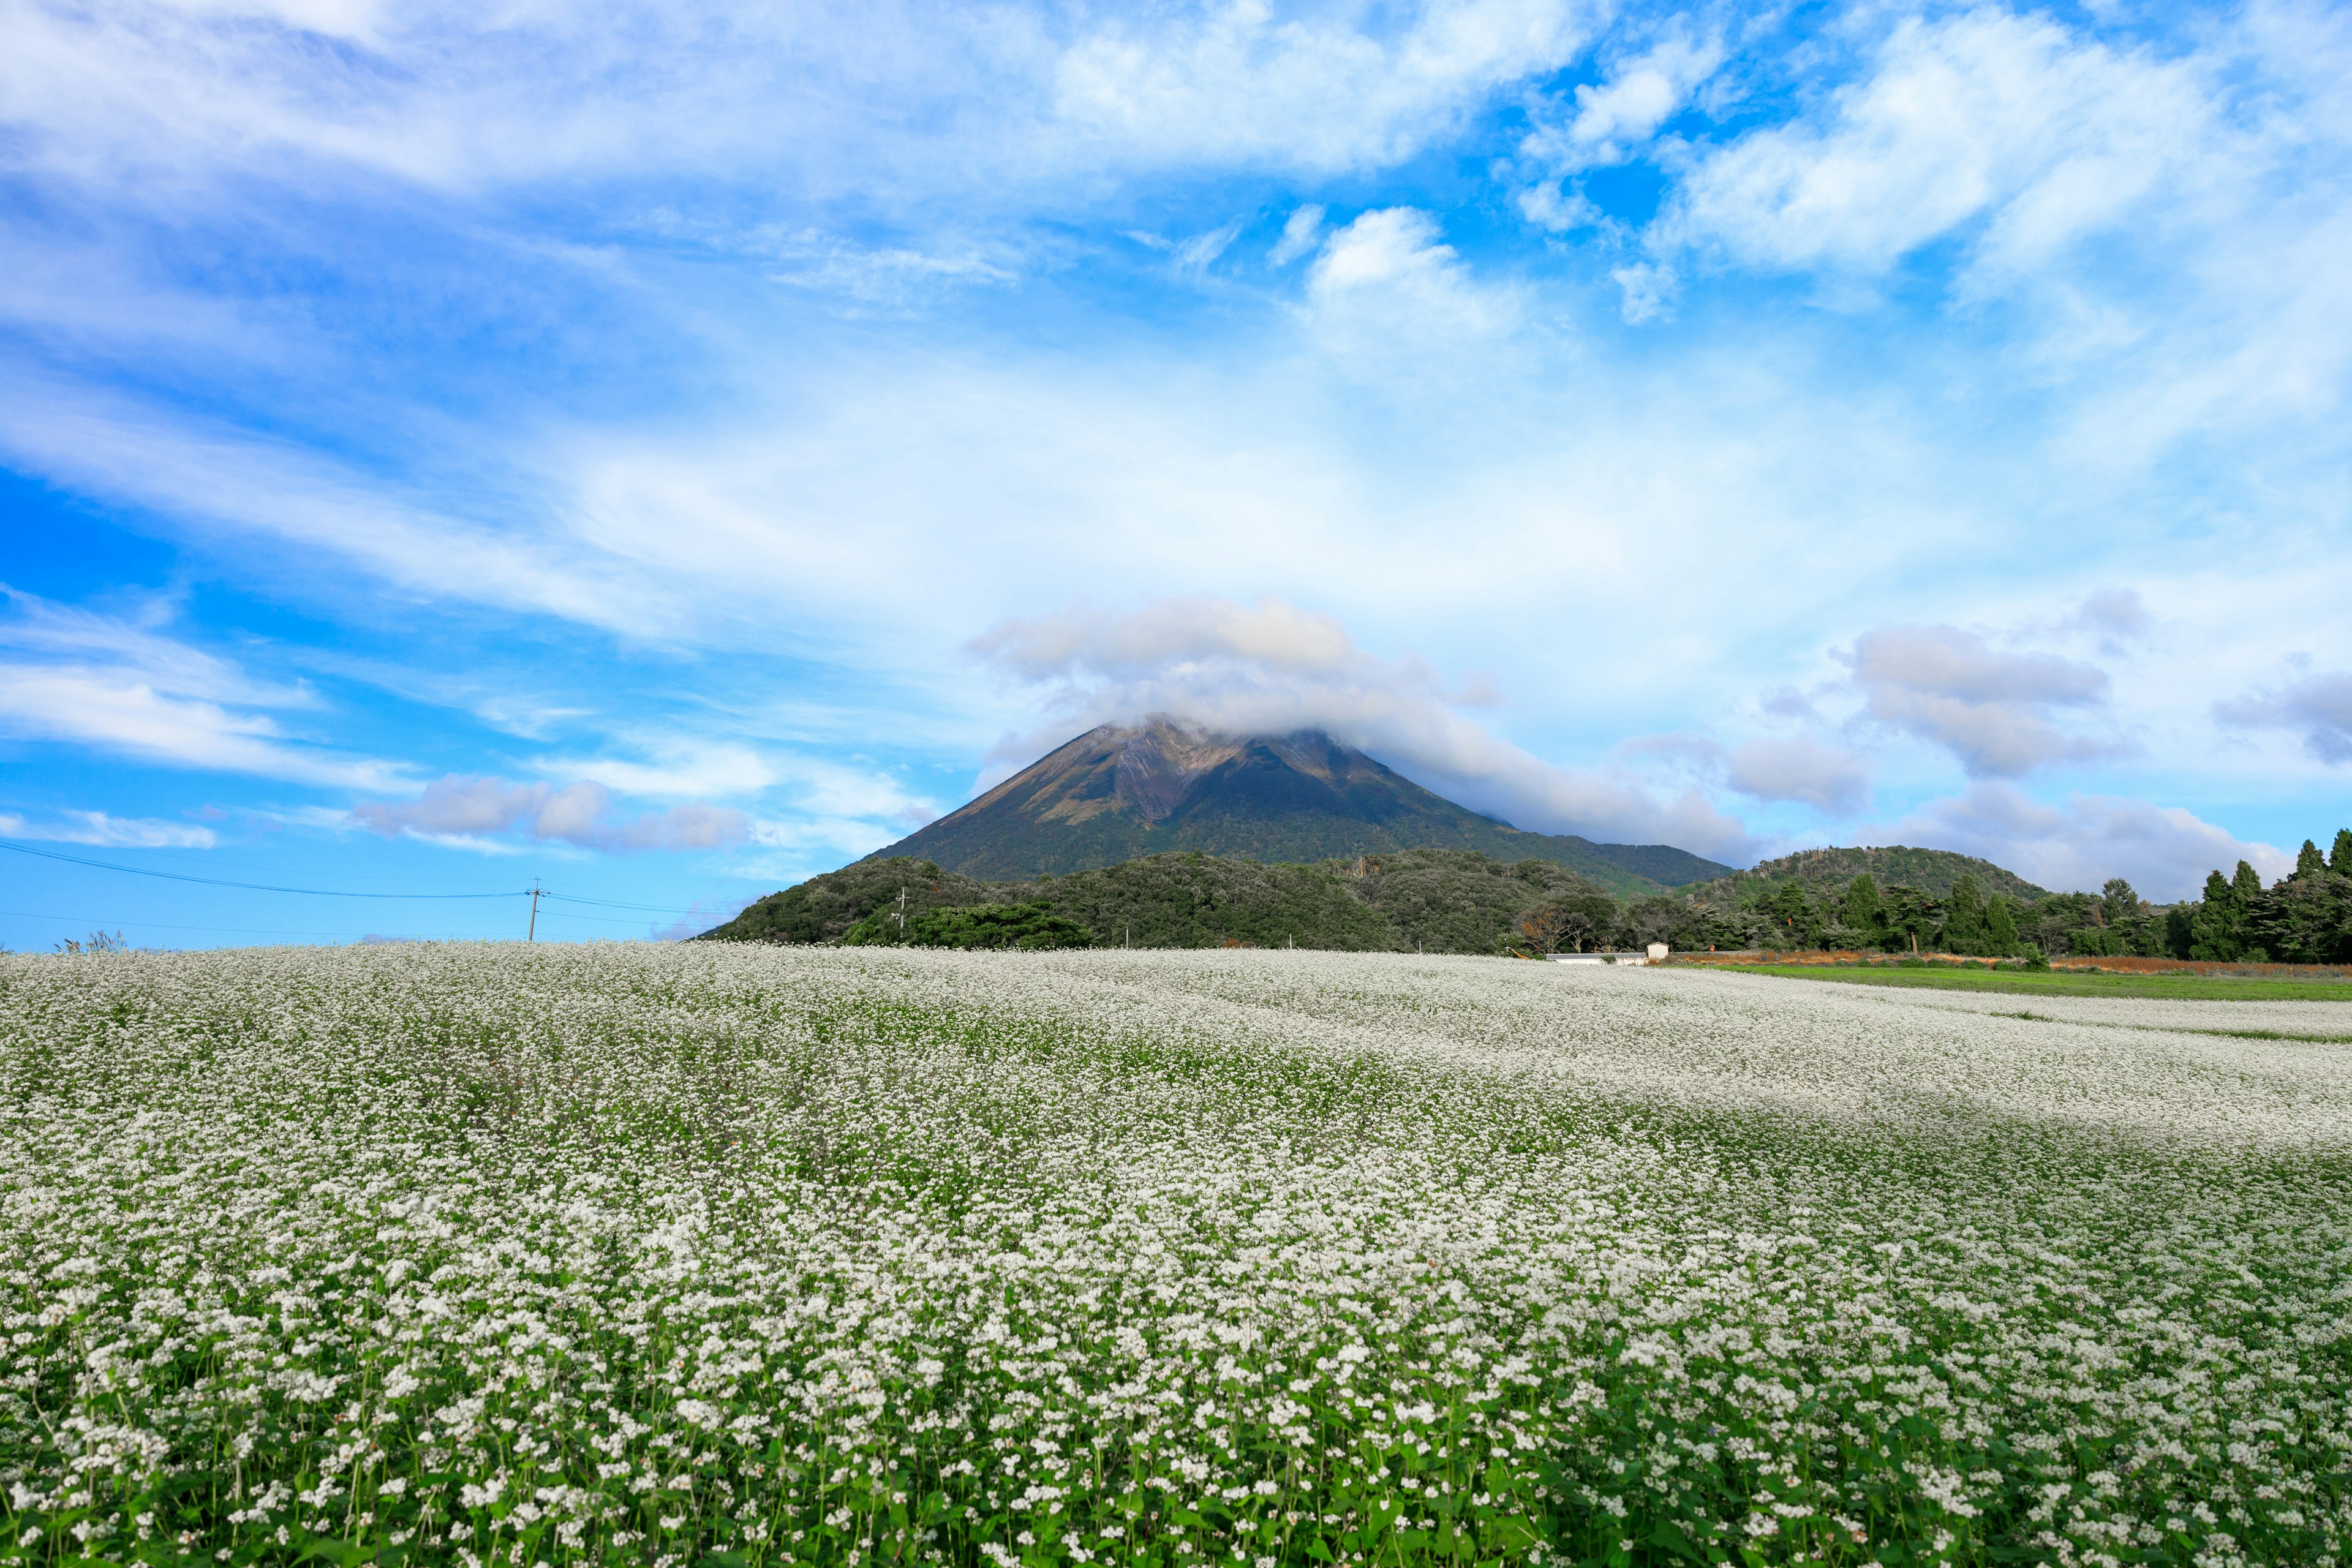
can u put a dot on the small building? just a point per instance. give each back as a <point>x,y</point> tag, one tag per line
<point>1654,953</point>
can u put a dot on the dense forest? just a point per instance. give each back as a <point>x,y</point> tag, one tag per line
<point>1425,901</point>
<point>1826,872</point>
<point>2304,918</point>
<point>1447,900</point>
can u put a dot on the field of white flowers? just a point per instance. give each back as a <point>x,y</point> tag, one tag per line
<point>675,1256</point>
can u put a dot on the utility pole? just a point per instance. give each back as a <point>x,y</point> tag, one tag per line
<point>533,934</point>
<point>902,917</point>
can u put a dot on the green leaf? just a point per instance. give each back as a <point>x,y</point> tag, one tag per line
<point>1670,1535</point>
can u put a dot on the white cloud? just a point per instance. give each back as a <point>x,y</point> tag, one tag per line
<point>868,278</point>
<point>97,680</point>
<point>1199,253</point>
<point>1270,667</point>
<point>110,832</point>
<point>894,101</point>
<point>1985,120</point>
<point>2164,851</point>
<point>1615,117</point>
<point>1800,769</point>
<point>1646,292</point>
<point>2318,706</point>
<point>687,768</point>
<point>2116,614</point>
<point>1239,83</point>
<point>457,809</point>
<point>1949,687</point>
<point>1300,232</point>
<point>1389,280</point>
<point>847,801</point>
<point>225,482</point>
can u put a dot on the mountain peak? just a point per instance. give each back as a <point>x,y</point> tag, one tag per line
<point>1150,769</point>
<point>1120,791</point>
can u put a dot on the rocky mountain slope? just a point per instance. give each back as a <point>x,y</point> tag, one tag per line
<point>1120,793</point>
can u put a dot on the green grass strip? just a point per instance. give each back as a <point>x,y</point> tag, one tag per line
<point>2026,982</point>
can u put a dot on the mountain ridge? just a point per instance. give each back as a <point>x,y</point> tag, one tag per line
<point>1120,793</point>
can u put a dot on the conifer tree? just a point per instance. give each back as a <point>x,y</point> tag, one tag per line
<point>2340,862</point>
<point>2309,863</point>
<point>1862,911</point>
<point>2000,928</point>
<point>2216,927</point>
<point>2246,893</point>
<point>1964,927</point>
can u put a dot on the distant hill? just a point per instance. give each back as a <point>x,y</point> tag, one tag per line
<point>1425,901</point>
<point>1120,793</point>
<point>1932,871</point>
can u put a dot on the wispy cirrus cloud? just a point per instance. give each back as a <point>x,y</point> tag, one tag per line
<point>84,679</point>
<point>1245,84</point>
<point>95,827</point>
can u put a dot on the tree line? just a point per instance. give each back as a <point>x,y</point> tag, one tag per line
<point>2304,918</point>
<point>1444,901</point>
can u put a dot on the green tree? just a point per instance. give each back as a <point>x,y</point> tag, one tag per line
<point>1029,926</point>
<point>1862,909</point>
<point>1912,918</point>
<point>2218,926</point>
<point>2247,888</point>
<point>1679,923</point>
<point>2302,920</point>
<point>1550,928</point>
<point>2340,862</point>
<point>1795,921</point>
<point>2000,928</point>
<point>2179,929</point>
<point>2131,929</point>
<point>1964,927</point>
<point>2310,862</point>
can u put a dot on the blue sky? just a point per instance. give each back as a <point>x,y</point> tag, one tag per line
<point>665,451</point>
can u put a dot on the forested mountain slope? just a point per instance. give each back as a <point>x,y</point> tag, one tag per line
<point>1933,871</point>
<point>1429,900</point>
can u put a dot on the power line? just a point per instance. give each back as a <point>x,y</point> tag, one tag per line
<point>605,903</point>
<point>317,893</point>
<point>95,921</point>
<point>250,887</point>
